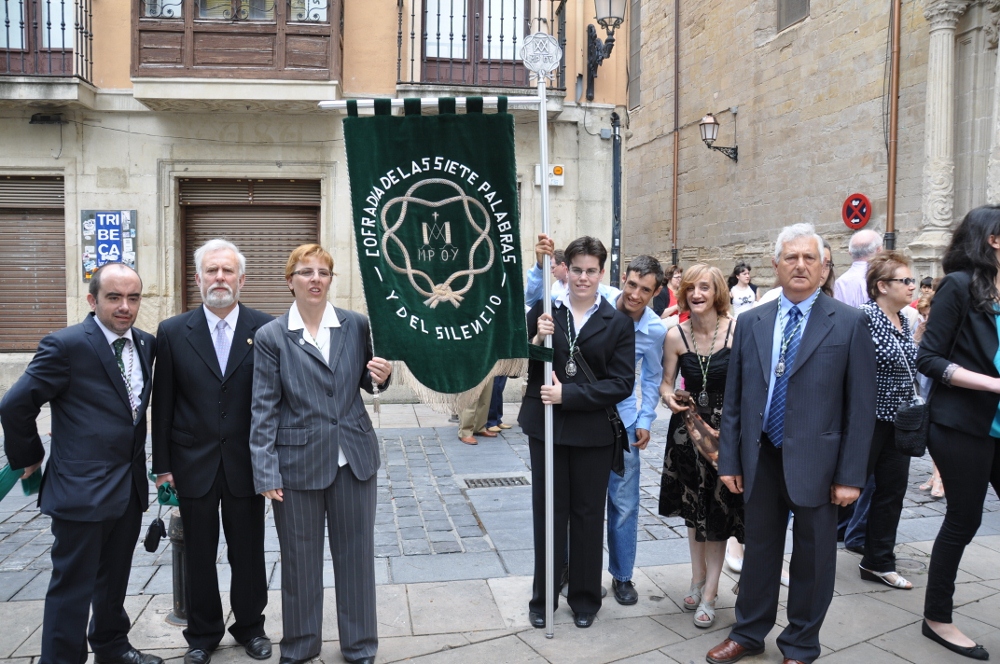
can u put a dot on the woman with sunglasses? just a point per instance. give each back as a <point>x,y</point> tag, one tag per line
<point>890,287</point>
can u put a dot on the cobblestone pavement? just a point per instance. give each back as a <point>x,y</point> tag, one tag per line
<point>445,537</point>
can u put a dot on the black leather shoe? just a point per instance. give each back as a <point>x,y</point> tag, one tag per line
<point>583,620</point>
<point>625,592</point>
<point>131,656</point>
<point>292,660</point>
<point>537,620</point>
<point>975,652</point>
<point>197,656</point>
<point>363,660</point>
<point>259,647</point>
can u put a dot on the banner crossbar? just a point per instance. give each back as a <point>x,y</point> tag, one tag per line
<point>432,102</point>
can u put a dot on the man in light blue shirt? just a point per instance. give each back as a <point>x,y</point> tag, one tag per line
<point>533,285</point>
<point>643,280</point>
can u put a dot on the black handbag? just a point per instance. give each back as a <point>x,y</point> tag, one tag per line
<point>621,434</point>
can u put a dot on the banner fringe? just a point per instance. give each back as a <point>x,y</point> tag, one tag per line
<point>449,404</point>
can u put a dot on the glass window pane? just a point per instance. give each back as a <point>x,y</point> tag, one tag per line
<point>239,10</point>
<point>162,8</point>
<point>503,25</point>
<point>310,11</point>
<point>58,24</point>
<point>11,25</point>
<point>446,26</point>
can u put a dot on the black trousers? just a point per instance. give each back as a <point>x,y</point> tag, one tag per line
<point>243,523</point>
<point>892,472</point>
<point>812,572</point>
<point>968,465</point>
<point>91,562</point>
<point>580,491</point>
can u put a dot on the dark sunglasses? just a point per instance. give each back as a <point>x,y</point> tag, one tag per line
<point>909,281</point>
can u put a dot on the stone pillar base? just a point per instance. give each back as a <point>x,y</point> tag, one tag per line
<point>926,250</point>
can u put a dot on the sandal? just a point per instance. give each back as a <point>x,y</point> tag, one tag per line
<point>693,598</point>
<point>938,490</point>
<point>891,579</point>
<point>704,617</point>
<point>927,485</point>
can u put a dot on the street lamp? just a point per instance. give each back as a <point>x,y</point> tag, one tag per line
<point>709,127</point>
<point>609,14</point>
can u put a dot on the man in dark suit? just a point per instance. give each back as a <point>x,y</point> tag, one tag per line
<point>95,376</point>
<point>797,423</point>
<point>201,444</point>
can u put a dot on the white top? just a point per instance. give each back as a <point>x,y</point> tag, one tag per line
<point>321,342</point>
<point>130,359</point>
<point>743,298</point>
<point>563,299</point>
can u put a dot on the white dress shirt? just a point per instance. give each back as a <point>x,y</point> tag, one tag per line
<point>213,322</point>
<point>321,342</point>
<point>130,358</point>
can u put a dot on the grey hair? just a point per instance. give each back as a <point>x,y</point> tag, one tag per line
<point>216,245</point>
<point>795,232</point>
<point>864,244</point>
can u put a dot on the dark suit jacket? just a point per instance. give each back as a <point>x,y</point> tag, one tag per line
<point>97,454</point>
<point>304,409</point>
<point>607,341</point>
<point>200,417</point>
<point>829,409</point>
<point>975,341</point>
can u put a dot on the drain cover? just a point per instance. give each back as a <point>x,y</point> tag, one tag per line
<point>910,564</point>
<point>491,482</point>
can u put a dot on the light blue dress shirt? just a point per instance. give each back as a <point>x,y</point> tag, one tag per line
<point>534,286</point>
<point>649,334</point>
<point>784,306</point>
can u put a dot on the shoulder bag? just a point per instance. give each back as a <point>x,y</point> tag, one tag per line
<point>621,434</point>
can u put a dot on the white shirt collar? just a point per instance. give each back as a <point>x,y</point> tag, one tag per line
<point>112,336</point>
<point>230,319</point>
<point>295,322</point>
<point>563,298</point>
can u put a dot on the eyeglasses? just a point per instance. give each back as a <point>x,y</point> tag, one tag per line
<point>579,272</point>
<point>307,273</point>
<point>909,281</point>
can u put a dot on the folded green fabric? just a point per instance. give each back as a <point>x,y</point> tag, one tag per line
<point>165,493</point>
<point>8,478</point>
<point>33,484</point>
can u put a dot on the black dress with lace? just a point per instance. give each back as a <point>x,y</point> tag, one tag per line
<point>690,486</point>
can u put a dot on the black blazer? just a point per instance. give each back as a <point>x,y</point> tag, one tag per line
<point>200,417</point>
<point>607,341</point>
<point>975,340</point>
<point>98,453</point>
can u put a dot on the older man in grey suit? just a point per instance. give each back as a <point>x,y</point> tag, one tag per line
<point>315,455</point>
<point>797,423</point>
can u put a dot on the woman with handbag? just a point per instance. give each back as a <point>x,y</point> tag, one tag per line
<point>890,287</point>
<point>690,485</point>
<point>959,352</point>
<point>593,369</point>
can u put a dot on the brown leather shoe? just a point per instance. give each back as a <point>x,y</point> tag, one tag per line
<point>468,440</point>
<point>486,434</point>
<point>729,651</point>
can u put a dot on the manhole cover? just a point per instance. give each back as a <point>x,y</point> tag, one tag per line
<point>909,564</point>
<point>491,482</point>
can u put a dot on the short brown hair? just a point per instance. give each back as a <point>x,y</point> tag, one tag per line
<point>586,246</point>
<point>304,252</point>
<point>691,277</point>
<point>883,268</point>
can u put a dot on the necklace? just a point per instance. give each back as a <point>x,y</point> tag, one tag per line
<point>779,369</point>
<point>703,395</point>
<point>571,340</point>
<point>127,377</point>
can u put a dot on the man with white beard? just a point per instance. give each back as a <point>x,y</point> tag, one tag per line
<point>201,444</point>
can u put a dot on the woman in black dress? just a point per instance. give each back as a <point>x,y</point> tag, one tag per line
<point>690,485</point>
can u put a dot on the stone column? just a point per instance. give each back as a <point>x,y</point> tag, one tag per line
<point>939,159</point>
<point>993,167</point>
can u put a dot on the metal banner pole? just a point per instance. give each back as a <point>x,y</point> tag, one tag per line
<point>541,54</point>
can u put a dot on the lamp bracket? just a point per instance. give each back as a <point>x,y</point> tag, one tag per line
<point>732,152</point>
<point>597,52</point>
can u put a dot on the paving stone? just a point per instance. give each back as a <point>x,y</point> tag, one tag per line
<point>12,582</point>
<point>20,620</point>
<point>446,567</point>
<point>412,547</point>
<point>453,607</point>
<point>446,546</point>
<point>412,533</point>
<point>34,589</point>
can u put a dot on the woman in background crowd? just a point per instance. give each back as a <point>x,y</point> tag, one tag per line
<point>742,293</point>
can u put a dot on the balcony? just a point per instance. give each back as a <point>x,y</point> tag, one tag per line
<point>248,54</point>
<point>471,45</point>
<point>46,52</point>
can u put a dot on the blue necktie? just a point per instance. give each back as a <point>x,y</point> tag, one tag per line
<point>790,340</point>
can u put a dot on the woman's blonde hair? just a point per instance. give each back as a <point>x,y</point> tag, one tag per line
<point>305,252</point>
<point>694,274</point>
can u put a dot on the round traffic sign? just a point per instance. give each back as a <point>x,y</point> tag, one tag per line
<point>857,211</point>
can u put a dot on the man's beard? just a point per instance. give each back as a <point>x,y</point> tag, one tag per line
<point>217,298</point>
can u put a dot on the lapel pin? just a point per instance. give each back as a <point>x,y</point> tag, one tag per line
<point>302,342</point>
<point>249,342</point>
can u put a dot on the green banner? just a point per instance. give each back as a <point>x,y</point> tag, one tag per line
<point>436,226</point>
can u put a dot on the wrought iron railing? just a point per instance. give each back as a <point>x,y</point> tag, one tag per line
<point>298,11</point>
<point>46,38</point>
<point>473,42</point>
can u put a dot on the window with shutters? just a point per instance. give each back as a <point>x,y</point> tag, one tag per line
<point>32,261</point>
<point>791,11</point>
<point>634,52</point>
<point>266,219</point>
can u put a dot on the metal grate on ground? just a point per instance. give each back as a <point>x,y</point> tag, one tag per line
<point>493,482</point>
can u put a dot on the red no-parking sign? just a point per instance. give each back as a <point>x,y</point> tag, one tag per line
<point>857,211</point>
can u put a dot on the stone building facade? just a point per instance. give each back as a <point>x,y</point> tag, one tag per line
<point>807,105</point>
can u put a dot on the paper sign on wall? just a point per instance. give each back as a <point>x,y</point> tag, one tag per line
<point>109,236</point>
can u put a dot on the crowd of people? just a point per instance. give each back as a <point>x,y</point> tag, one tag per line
<point>783,410</point>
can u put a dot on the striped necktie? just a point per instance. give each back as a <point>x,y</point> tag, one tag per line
<point>790,339</point>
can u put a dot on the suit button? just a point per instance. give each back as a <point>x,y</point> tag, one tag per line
<point>329,394</point>
<point>223,441</point>
<point>334,421</point>
<point>223,415</point>
<point>224,388</point>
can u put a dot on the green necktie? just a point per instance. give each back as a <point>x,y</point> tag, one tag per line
<point>119,345</point>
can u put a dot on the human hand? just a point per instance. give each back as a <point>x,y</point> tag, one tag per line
<point>641,439</point>
<point>670,401</point>
<point>546,327</point>
<point>380,370</point>
<point>29,471</point>
<point>843,496</point>
<point>544,247</point>
<point>163,479</point>
<point>274,494</point>
<point>733,482</point>
<point>552,394</point>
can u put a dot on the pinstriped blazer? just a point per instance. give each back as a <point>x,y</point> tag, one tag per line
<point>829,407</point>
<point>304,410</point>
